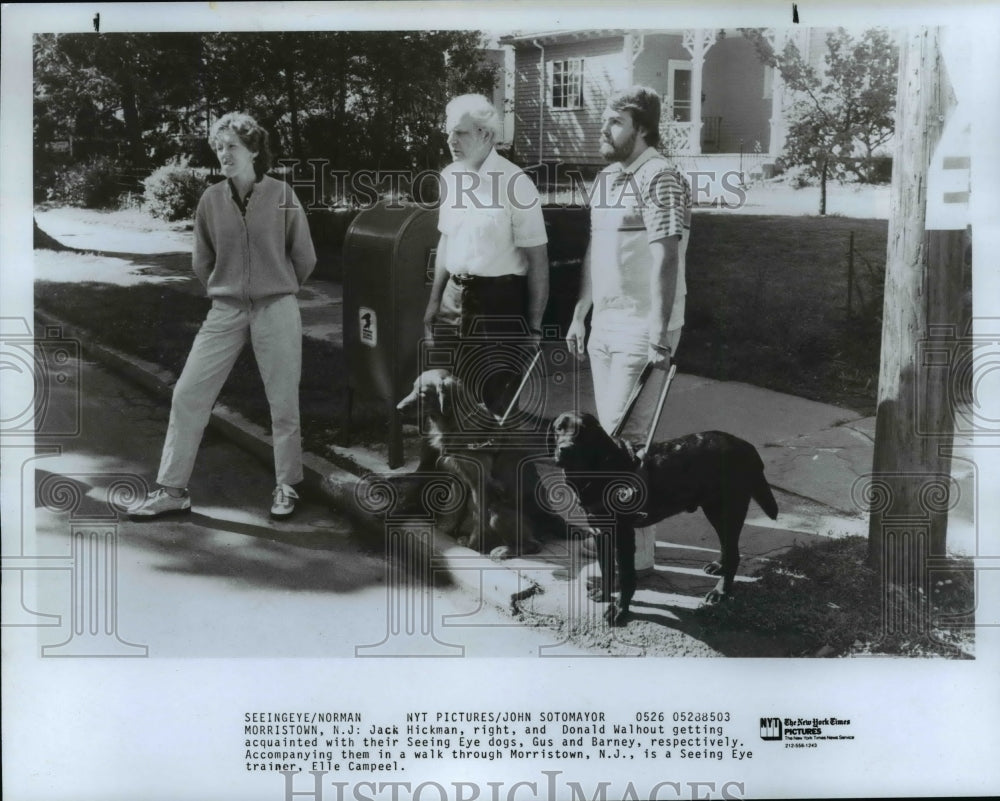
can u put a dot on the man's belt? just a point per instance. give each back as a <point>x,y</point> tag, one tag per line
<point>465,279</point>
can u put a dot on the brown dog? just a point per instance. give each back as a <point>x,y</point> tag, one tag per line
<point>620,488</point>
<point>502,516</point>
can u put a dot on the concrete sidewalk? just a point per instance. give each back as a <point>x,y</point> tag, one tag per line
<point>814,456</point>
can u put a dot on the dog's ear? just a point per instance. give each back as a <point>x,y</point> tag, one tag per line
<point>446,387</point>
<point>590,428</point>
<point>410,400</point>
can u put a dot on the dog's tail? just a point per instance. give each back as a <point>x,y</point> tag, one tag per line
<point>761,492</point>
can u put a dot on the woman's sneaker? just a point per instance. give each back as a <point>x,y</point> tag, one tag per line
<point>159,502</point>
<point>284,502</point>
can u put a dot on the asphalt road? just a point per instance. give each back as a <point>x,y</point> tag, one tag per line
<point>226,580</point>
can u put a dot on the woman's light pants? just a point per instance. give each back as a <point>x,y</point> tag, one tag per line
<point>274,329</point>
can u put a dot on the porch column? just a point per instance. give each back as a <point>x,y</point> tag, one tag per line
<point>634,43</point>
<point>777,39</point>
<point>697,41</point>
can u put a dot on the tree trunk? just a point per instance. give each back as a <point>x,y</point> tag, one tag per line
<point>822,186</point>
<point>133,128</point>
<point>339,120</point>
<point>293,110</point>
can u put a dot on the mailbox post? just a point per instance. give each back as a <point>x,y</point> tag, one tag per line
<point>389,253</point>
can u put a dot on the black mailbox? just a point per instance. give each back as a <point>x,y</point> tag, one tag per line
<point>389,255</point>
<point>568,230</point>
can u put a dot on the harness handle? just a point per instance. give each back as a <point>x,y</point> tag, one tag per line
<point>640,382</point>
<point>659,409</point>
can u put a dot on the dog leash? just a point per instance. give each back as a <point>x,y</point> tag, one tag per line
<point>527,374</point>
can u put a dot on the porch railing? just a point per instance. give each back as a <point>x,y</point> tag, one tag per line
<point>676,137</point>
<point>679,137</point>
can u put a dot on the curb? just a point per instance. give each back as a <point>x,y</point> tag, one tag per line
<point>490,580</point>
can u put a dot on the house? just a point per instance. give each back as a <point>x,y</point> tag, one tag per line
<point>722,107</point>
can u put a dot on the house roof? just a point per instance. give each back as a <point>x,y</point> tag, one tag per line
<point>547,38</point>
<point>561,37</point>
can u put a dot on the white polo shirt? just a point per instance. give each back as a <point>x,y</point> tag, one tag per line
<point>487,215</point>
<point>631,208</point>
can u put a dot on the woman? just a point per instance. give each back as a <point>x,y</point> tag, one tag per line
<point>252,251</point>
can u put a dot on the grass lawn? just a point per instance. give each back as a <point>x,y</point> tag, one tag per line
<point>767,304</point>
<point>824,600</point>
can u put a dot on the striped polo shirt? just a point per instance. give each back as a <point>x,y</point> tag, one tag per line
<point>630,208</point>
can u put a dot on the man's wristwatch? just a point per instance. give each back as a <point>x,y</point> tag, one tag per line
<point>664,349</point>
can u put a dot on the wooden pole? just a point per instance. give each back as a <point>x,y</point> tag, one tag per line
<point>911,490</point>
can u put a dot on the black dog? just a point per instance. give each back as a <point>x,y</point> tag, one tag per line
<point>502,515</point>
<point>620,488</point>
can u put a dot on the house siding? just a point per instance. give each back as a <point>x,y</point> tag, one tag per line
<point>733,86</point>
<point>735,112</point>
<point>650,67</point>
<point>570,135</point>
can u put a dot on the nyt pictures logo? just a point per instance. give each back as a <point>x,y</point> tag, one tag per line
<point>770,729</point>
<point>795,729</point>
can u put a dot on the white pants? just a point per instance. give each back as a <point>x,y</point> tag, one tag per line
<point>616,361</point>
<point>274,328</point>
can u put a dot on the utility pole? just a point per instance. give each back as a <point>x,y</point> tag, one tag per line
<point>911,489</point>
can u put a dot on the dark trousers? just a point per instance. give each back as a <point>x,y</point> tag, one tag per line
<point>477,315</point>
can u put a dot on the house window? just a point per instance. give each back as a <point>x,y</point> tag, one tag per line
<point>566,88</point>
<point>768,82</point>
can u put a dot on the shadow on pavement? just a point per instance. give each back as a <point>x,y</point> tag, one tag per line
<point>292,556</point>
<point>726,642</point>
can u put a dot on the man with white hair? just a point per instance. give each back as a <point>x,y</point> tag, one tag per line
<point>491,279</point>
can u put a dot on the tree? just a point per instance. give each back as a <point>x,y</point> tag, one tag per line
<point>359,100</point>
<point>110,91</point>
<point>842,115</point>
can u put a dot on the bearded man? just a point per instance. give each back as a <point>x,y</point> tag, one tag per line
<point>633,271</point>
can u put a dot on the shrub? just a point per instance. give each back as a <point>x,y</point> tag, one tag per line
<point>798,177</point>
<point>92,184</point>
<point>173,190</point>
